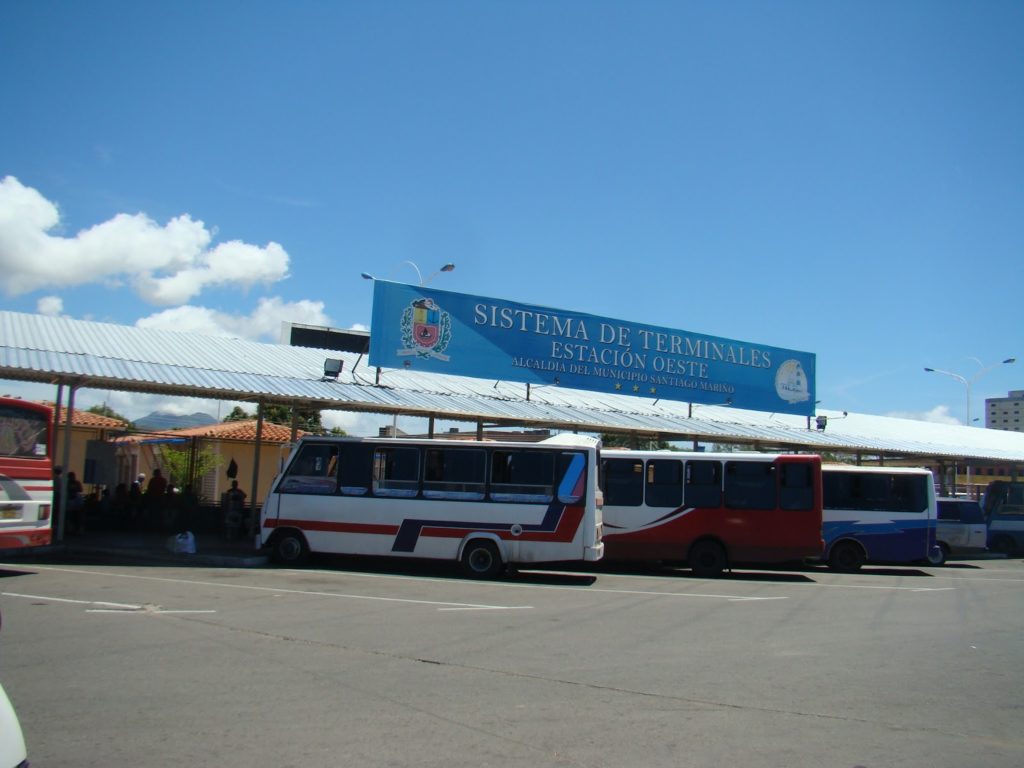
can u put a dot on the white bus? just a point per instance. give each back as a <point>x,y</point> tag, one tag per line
<point>878,514</point>
<point>483,504</point>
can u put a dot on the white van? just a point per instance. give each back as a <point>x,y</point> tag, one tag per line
<point>961,529</point>
<point>12,743</point>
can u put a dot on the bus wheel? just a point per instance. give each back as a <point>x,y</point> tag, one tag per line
<point>290,548</point>
<point>1002,545</point>
<point>481,559</point>
<point>846,557</point>
<point>938,556</point>
<point>707,559</point>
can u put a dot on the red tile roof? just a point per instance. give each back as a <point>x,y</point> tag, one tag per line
<point>241,431</point>
<point>86,419</point>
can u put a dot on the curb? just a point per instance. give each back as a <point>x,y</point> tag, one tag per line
<point>116,554</point>
<point>255,560</point>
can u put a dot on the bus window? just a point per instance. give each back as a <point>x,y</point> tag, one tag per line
<point>796,487</point>
<point>454,473</point>
<point>526,476</point>
<point>876,492</point>
<point>356,469</point>
<point>313,471</point>
<point>572,474</point>
<point>623,484</point>
<point>909,493</point>
<point>703,483</point>
<point>396,471</point>
<point>23,433</point>
<point>750,485</point>
<point>664,483</point>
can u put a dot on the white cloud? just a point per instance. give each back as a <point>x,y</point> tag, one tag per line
<point>263,324</point>
<point>166,265</point>
<point>937,415</point>
<point>50,305</point>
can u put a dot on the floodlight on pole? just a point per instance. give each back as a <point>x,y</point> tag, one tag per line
<point>419,275</point>
<point>968,382</point>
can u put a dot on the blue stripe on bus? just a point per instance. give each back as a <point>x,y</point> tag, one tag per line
<point>891,540</point>
<point>409,531</point>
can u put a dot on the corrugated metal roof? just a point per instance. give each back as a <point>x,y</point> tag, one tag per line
<point>107,356</point>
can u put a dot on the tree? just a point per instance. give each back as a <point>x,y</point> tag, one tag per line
<point>619,440</point>
<point>110,413</point>
<point>179,461</point>
<point>237,414</point>
<point>309,419</point>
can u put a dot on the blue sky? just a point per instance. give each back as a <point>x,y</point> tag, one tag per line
<point>844,178</point>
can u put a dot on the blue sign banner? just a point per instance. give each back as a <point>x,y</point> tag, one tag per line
<point>420,328</point>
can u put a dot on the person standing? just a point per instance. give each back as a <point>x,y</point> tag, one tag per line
<point>75,505</point>
<point>156,498</point>
<point>234,510</point>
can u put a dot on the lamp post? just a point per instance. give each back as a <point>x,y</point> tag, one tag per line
<point>968,382</point>
<point>445,268</point>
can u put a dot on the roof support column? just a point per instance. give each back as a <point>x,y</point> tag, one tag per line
<point>66,457</point>
<point>942,479</point>
<point>254,522</point>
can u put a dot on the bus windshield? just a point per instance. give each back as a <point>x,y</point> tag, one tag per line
<point>22,433</point>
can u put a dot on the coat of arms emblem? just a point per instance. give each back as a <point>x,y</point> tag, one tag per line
<point>426,330</point>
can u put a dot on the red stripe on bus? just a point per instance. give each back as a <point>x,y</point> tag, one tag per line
<point>322,525</point>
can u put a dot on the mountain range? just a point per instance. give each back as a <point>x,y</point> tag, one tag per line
<point>160,421</point>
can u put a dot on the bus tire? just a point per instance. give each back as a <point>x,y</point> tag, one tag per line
<point>939,555</point>
<point>290,548</point>
<point>1003,544</point>
<point>481,559</point>
<point>707,559</point>
<point>846,557</point>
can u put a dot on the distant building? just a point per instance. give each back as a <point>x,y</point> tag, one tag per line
<point>1005,412</point>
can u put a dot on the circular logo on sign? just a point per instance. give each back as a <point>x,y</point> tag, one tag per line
<point>791,382</point>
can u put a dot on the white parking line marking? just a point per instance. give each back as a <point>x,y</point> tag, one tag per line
<point>116,606</point>
<point>126,608</point>
<point>489,608</point>
<point>880,586</point>
<point>143,611</point>
<point>556,587</point>
<point>280,590</point>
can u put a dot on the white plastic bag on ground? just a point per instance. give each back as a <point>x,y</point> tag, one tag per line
<point>182,543</point>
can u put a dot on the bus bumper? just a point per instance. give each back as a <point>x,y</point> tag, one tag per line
<point>593,554</point>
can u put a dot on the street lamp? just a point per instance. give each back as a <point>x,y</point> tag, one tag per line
<point>446,268</point>
<point>969,382</point>
<point>967,386</point>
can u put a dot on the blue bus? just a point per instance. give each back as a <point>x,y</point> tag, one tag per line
<point>878,515</point>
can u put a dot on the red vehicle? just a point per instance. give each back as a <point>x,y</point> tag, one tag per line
<point>711,510</point>
<point>26,474</point>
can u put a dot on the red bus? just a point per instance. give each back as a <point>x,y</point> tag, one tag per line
<point>711,510</point>
<point>26,474</point>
